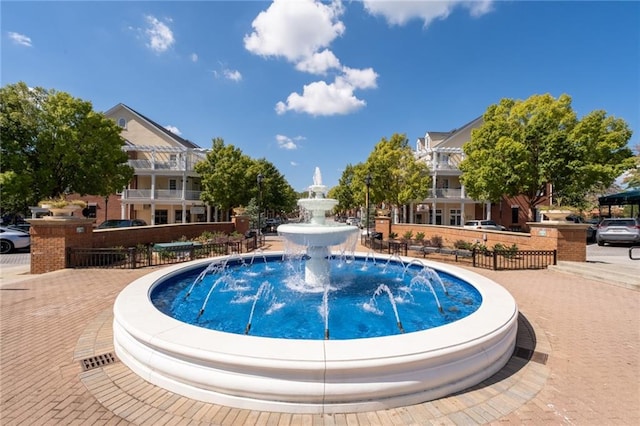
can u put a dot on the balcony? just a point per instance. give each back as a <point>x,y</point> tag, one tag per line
<point>160,195</point>
<point>445,193</point>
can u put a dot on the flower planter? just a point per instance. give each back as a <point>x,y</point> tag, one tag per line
<point>558,215</point>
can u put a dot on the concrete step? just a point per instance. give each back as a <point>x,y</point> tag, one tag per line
<point>627,276</point>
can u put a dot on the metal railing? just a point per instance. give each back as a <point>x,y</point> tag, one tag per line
<point>513,259</point>
<point>154,255</point>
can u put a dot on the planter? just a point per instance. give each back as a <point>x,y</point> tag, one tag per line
<point>558,215</point>
<point>239,211</point>
<point>383,212</point>
<point>66,211</point>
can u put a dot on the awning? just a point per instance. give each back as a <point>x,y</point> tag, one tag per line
<point>620,199</point>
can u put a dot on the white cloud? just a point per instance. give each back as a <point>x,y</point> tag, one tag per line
<point>194,57</point>
<point>160,37</point>
<point>360,79</point>
<point>295,29</point>
<point>232,75</point>
<point>293,163</point>
<point>286,142</point>
<point>173,129</point>
<point>400,12</point>
<point>319,63</point>
<point>320,98</point>
<point>20,39</point>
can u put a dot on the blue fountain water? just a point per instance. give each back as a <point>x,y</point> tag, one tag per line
<point>267,297</point>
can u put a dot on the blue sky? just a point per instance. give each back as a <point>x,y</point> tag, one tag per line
<point>308,84</point>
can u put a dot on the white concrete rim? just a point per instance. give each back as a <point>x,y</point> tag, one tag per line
<point>321,376</point>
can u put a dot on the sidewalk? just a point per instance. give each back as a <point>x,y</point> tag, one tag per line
<point>579,361</point>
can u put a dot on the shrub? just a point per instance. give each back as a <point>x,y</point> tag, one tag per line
<point>463,245</point>
<point>420,237</point>
<point>436,241</point>
<point>407,236</point>
<point>508,252</point>
<point>393,235</point>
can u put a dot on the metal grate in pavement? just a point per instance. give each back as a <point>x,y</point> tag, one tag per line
<point>98,361</point>
<point>528,354</point>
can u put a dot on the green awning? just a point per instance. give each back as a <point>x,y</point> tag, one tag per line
<point>621,198</point>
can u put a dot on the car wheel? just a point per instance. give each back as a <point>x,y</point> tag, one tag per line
<point>600,243</point>
<point>6,246</point>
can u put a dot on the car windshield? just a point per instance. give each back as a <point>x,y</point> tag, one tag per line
<point>625,222</point>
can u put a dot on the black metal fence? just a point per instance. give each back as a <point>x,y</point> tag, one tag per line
<point>156,254</point>
<point>488,259</point>
<point>513,259</point>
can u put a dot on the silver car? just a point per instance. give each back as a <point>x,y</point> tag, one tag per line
<point>619,230</point>
<point>13,239</point>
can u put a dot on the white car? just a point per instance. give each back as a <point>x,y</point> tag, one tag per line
<point>483,224</point>
<point>353,221</point>
<point>13,239</point>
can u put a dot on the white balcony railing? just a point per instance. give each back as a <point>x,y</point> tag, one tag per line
<point>445,193</point>
<point>160,194</point>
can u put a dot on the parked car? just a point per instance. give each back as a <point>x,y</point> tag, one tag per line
<point>121,223</point>
<point>618,230</point>
<point>354,221</point>
<point>591,230</point>
<point>483,224</point>
<point>25,227</point>
<point>13,239</point>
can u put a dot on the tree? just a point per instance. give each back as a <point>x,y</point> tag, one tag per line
<point>632,179</point>
<point>524,146</point>
<point>225,176</point>
<point>344,191</point>
<point>229,179</point>
<point>398,177</point>
<point>54,144</point>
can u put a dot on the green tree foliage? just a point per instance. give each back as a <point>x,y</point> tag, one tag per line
<point>632,179</point>
<point>54,144</point>
<point>277,194</point>
<point>344,191</point>
<point>523,146</point>
<point>225,176</point>
<point>398,177</point>
<point>229,179</point>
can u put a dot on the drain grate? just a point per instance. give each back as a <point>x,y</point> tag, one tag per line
<point>528,354</point>
<point>98,361</point>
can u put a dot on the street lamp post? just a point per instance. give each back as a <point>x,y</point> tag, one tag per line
<point>259,179</point>
<point>367,181</point>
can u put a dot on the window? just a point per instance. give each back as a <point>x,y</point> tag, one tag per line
<point>173,184</point>
<point>515,213</point>
<point>122,123</point>
<point>455,217</point>
<point>161,217</point>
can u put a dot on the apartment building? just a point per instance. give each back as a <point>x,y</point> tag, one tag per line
<point>447,202</point>
<point>165,187</point>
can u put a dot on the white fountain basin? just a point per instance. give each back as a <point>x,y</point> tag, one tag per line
<point>311,235</point>
<point>314,376</point>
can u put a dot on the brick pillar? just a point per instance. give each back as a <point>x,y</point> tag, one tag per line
<point>51,237</point>
<point>569,239</point>
<point>241,223</point>
<point>383,224</point>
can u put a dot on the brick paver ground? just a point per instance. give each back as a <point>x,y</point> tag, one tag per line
<point>588,331</point>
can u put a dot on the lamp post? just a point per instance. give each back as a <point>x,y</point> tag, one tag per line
<point>367,181</point>
<point>259,179</point>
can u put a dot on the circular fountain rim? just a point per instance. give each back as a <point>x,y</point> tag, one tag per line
<point>156,346</point>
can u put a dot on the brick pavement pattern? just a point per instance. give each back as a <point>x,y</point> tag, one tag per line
<point>590,332</point>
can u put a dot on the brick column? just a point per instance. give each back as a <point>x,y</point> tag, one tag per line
<point>383,225</point>
<point>50,238</point>
<point>569,239</point>
<point>241,223</point>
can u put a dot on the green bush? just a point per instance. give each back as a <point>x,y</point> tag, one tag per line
<point>407,236</point>
<point>420,237</point>
<point>436,241</point>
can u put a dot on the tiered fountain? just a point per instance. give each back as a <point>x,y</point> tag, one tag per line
<point>301,374</point>
<point>317,236</point>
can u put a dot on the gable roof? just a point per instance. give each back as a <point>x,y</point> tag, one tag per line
<point>180,140</point>
<point>458,137</point>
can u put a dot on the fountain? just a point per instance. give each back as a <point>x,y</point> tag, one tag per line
<point>317,236</point>
<point>324,374</point>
